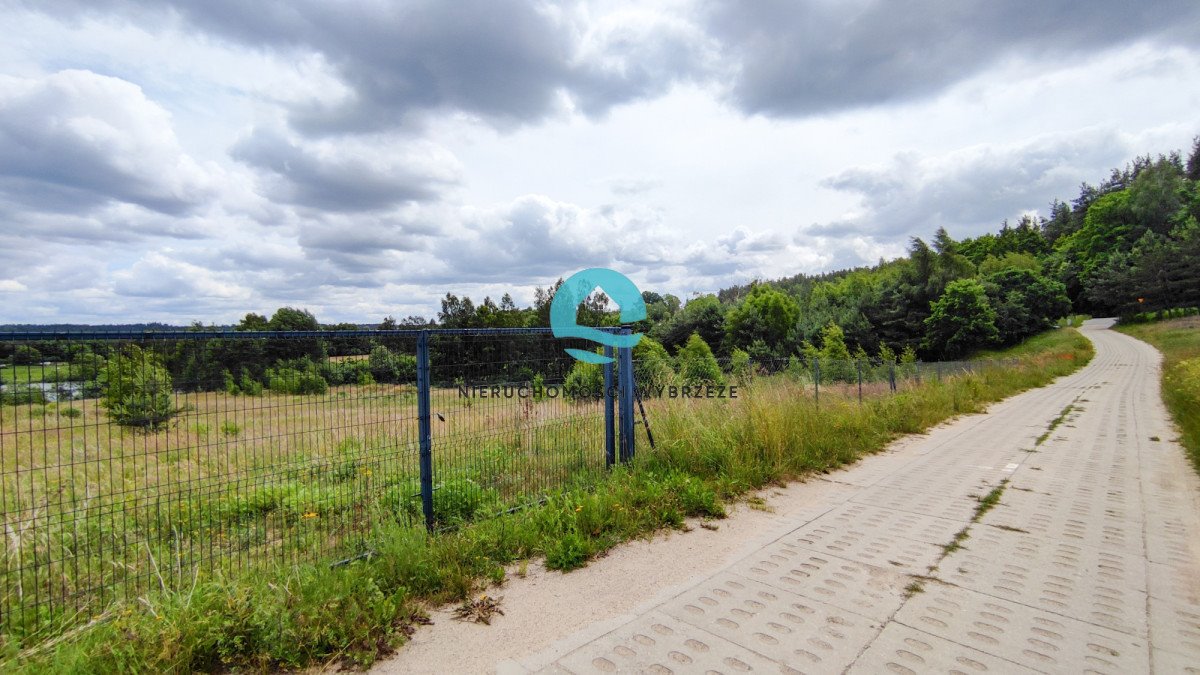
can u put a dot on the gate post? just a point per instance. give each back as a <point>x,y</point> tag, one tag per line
<point>423,428</point>
<point>625,387</point>
<point>610,400</point>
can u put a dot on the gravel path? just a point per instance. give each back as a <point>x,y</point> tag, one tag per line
<point>1088,561</point>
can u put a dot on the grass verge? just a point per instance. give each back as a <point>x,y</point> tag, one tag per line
<point>709,452</point>
<point>1179,342</point>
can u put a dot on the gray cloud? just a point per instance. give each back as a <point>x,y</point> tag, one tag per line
<point>506,61</point>
<point>802,58</point>
<point>970,191</point>
<point>347,176</point>
<point>75,141</point>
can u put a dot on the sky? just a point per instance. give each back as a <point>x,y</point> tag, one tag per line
<point>194,161</point>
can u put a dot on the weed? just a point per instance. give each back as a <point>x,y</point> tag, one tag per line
<point>479,610</point>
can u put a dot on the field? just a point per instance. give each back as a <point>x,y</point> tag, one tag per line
<point>181,540</point>
<point>1179,342</point>
<point>96,513</point>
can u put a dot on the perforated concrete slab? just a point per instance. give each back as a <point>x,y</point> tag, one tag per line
<point>1099,528</point>
<point>870,590</point>
<point>936,505</point>
<point>657,643</point>
<point>906,651</point>
<point>1106,588</point>
<point>871,545</point>
<point>1030,637</point>
<point>789,628</point>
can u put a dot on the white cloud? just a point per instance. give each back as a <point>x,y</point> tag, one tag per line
<point>360,161</point>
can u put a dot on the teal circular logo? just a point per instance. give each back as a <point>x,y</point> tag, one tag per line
<point>565,307</point>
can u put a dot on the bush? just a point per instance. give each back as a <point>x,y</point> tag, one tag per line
<point>388,366</point>
<point>137,390</point>
<point>739,365</point>
<point>651,364</point>
<point>697,365</point>
<point>586,380</point>
<point>296,376</point>
<point>25,355</point>
<point>22,395</point>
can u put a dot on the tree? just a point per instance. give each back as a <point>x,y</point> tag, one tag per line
<point>252,321</point>
<point>835,356</point>
<point>697,365</point>
<point>25,355</point>
<point>704,315</point>
<point>960,320</point>
<point>652,365</point>
<point>292,319</point>
<point>765,314</point>
<point>1193,162</point>
<point>1025,302</point>
<point>137,389</point>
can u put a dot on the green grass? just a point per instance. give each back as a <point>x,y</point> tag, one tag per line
<point>710,452</point>
<point>1054,424</point>
<point>54,372</point>
<point>1179,342</point>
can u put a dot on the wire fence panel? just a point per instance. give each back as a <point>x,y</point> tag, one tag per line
<point>507,426</point>
<point>137,462</point>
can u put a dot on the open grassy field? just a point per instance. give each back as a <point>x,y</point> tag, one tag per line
<point>96,513</point>
<point>337,473</point>
<point>1179,342</point>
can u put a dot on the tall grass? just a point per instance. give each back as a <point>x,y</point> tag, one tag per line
<point>1179,342</point>
<point>710,451</point>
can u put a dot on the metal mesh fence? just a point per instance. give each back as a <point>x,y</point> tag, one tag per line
<point>136,462</point>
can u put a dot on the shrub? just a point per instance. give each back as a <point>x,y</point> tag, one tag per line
<point>697,365</point>
<point>250,386</point>
<point>388,366</point>
<point>296,376</point>
<point>586,380</point>
<point>739,365</point>
<point>651,364</point>
<point>25,355</point>
<point>137,389</point>
<point>22,395</point>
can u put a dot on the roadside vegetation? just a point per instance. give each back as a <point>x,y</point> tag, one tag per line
<point>1179,341</point>
<point>710,452</point>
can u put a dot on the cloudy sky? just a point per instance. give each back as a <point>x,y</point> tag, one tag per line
<point>181,161</point>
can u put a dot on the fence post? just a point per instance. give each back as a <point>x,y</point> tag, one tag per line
<point>917,366</point>
<point>625,387</point>
<point>610,401</point>
<point>817,380</point>
<point>423,428</point>
<point>892,375</point>
<point>937,366</point>
<point>858,366</point>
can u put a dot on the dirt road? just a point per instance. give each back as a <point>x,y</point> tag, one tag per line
<point>1089,559</point>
